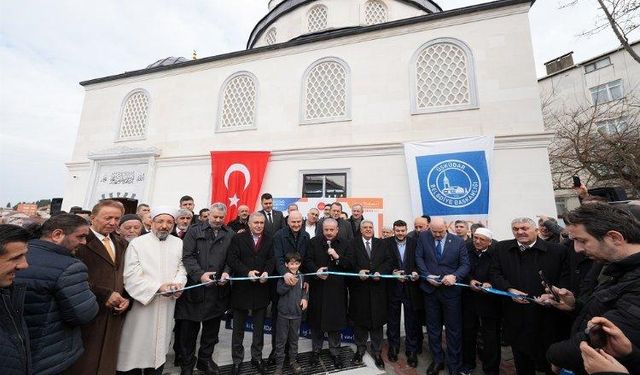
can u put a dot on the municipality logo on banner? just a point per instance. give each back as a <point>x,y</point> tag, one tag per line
<point>445,183</point>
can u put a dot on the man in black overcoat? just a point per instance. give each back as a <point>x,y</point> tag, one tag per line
<point>480,310</point>
<point>327,311</point>
<point>528,327</point>
<point>250,255</point>
<point>204,254</point>
<point>368,295</point>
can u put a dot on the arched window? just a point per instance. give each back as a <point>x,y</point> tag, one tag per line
<point>326,92</point>
<point>271,35</point>
<point>375,12</point>
<point>238,102</point>
<point>133,123</point>
<point>317,18</point>
<point>442,77</point>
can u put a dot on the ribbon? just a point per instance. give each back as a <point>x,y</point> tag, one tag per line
<point>348,274</point>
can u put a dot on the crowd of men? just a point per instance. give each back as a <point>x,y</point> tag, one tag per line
<point>106,295</point>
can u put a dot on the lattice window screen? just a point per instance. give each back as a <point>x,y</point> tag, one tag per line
<point>326,91</point>
<point>318,18</point>
<point>134,116</point>
<point>239,103</point>
<point>442,76</point>
<point>375,12</point>
<point>271,36</point>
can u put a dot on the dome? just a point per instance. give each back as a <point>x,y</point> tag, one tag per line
<point>291,19</point>
<point>167,61</point>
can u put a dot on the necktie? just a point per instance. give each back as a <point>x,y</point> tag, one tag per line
<point>367,246</point>
<point>181,233</point>
<point>269,218</point>
<point>215,233</point>
<point>107,245</point>
<point>523,247</point>
<point>439,249</point>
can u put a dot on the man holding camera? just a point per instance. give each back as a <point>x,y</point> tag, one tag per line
<point>528,327</point>
<point>612,235</point>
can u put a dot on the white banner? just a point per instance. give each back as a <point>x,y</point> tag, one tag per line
<point>450,178</point>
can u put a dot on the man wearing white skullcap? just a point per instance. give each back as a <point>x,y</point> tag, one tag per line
<point>153,274</point>
<point>480,310</point>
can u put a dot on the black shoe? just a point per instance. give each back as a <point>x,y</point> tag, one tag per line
<point>434,368</point>
<point>393,354</point>
<point>272,359</point>
<point>209,367</point>
<point>295,367</point>
<point>412,359</point>
<point>336,362</point>
<point>186,370</point>
<point>379,362</point>
<point>235,369</point>
<point>315,359</point>
<point>259,365</point>
<point>357,359</point>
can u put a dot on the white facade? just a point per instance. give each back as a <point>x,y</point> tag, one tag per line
<point>185,103</point>
<point>602,79</point>
<point>573,87</point>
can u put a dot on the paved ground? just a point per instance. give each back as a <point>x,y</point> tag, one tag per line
<point>222,356</point>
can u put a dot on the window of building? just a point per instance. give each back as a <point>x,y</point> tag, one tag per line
<point>607,92</point>
<point>612,126</point>
<point>238,102</point>
<point>270,38</point>
<point>597,65</point>
<point>317,18</point>
<point>326,91</point>
<point>375,12</point>
<point>324,185</point>
<point>133,123</point>
<point>443,77</point>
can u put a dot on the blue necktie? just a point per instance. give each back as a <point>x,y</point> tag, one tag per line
<point>439,249</point>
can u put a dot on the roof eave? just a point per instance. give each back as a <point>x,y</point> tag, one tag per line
<point>340,33</point>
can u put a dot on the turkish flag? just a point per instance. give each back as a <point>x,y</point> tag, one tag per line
<point>236,178</point>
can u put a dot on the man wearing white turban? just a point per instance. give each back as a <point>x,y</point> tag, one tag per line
<point>153,272</point>
<point>480,310</point>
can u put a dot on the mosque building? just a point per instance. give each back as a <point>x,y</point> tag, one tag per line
<point>332,88</point>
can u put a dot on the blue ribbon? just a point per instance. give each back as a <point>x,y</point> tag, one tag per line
<point>349,274</point>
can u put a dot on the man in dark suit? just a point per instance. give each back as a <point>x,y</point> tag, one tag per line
<point>528,327</point>
<point>367,295</point>
<point>356,218</point>
<point>442,261</point>
<point>403,292</point>
<point>250,255</point>
<point>345,234</point>
<point>104,257</point>
<point>273,219</point>
<point>292,239</point>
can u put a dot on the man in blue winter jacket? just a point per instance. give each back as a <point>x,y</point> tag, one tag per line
<point>58,299</point>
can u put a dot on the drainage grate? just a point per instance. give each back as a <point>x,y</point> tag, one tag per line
<point>304,359</point>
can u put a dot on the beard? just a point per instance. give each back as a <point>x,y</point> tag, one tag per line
<point>161,234</point>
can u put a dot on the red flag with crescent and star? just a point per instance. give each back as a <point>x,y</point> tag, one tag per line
<point>236,178</point>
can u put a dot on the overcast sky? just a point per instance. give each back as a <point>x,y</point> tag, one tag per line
<point>47,47</point>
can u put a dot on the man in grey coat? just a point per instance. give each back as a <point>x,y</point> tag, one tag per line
<point>204,253</point>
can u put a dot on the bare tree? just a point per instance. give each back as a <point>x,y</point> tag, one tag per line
<point>600,143</point>
<point>622,16</point>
